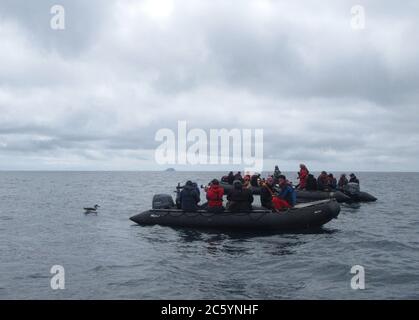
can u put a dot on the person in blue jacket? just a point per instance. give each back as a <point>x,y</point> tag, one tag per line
<point>189,197</point>
<point>287,191</point>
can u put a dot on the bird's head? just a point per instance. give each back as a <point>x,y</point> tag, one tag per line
<point>97,206</point>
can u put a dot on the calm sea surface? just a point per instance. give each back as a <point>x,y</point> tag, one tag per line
<point>108,257</point>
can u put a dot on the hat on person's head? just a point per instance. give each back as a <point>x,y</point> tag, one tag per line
<point>189,183</point>
<point>215,181</point>
<point>324,172</point>
<point>352,175</point>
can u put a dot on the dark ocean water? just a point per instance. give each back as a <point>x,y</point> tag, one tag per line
<point>107,257</point>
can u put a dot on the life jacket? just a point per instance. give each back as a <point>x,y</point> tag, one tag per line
<point>215,196</point>
<point>303,177</point>
<point>303,173</point>
<point>279,203</point>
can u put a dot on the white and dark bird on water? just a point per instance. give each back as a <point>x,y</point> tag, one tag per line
<point>91,210</point>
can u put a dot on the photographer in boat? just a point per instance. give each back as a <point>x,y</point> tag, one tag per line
<point>189,197</point>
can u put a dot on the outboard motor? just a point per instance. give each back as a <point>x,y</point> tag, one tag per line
<point>163,201</point>
<point>351,189</point>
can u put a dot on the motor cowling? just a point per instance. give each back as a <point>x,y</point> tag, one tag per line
<point>163,201</point>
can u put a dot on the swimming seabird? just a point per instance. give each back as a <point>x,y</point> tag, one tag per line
<point>91,210</point>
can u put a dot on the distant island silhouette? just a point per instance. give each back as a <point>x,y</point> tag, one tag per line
<point>170,169</point>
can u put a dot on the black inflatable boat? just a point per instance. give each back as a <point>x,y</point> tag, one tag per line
<point>362,197</point>
<point>302,216</point>
<point>307,196</point>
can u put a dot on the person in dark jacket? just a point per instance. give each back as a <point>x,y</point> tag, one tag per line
<point>276,174</point>
<point>189,198</point>
<point>266,192</point>
<point>238,177</point>
<point>230,177</point>
<point>254,180</point>
<point>353,178</point>
<point>332,182</point>
<point>311,183</point>
<point>287,191</point>
<point>239,199</point>
<point>343,181</point>
<point>215,197</point>
<point>322,181</point>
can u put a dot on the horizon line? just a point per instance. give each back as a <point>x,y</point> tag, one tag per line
<point>165,170</point>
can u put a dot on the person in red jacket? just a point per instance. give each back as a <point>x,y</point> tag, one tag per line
<point>302,175</point>
<point>215,197</point>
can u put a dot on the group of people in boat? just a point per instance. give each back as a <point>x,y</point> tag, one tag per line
<point>240,196</point>
<point>324,182</point>
<point>274,199</point>
<point>276,192</point>
<point>238,199</point>
<point>248,180</point>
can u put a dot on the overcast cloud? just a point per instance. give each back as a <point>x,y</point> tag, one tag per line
<point>92,96</point>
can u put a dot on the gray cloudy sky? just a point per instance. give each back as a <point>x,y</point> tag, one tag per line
<point>92,96</point>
